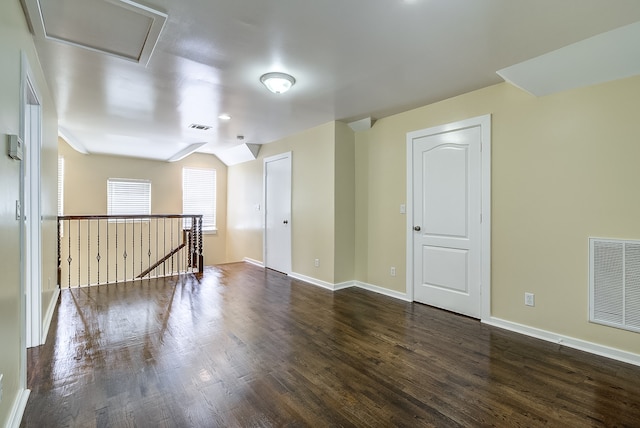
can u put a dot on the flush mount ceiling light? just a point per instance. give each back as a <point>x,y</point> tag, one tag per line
<point>278,83</point>
<point>224,116</point>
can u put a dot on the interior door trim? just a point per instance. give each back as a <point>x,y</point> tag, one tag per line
<point>485,204</point>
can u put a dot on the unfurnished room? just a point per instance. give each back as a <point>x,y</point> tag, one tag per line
<point>269,213</point>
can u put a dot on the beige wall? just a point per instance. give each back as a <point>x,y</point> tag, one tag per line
<point>564,168</point>
<point>14,39</point>
<point>345,204</point>
<point>312,217</point>
<point>86,177</point>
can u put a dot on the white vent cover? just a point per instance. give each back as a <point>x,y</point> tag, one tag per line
<point>614,283</point>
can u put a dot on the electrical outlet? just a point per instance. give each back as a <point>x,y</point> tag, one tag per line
<point>393,271</point>
<point>529,299</point>
<point>316,262</point>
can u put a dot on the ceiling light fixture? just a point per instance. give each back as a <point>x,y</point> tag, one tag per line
<point>224,116</point>
<point>278,83</point>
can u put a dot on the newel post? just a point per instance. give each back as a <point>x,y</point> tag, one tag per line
<point>59,256</point>
<point>200,258</point>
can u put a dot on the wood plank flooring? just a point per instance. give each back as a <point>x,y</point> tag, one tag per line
<point>245,347</point>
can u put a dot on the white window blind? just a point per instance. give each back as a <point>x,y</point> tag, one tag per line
<point>199,196</point>
<point>128,197</point>
<point>60,185</point>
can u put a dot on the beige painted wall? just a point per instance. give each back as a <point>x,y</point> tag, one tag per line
<point>345,204</point>
<point>14,39</point>
<point>312,217</point>
<point>564,168</point>
<point>86,188</point>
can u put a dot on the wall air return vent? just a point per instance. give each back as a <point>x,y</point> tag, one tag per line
<point>121,28</point>
<point>614,283</point>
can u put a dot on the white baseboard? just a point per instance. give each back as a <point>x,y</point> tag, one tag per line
<point>49,315</point>
<point>253,262</point>
<point>382,290</point>
<point>571,342</point>
<point>320,283</point>
<point>17,410</point>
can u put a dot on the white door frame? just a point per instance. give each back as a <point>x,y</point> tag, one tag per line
<point>31,237</point>
<point>280,156</point>
<point>485,229</point>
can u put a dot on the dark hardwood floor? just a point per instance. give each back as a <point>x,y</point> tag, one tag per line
<point>247,347</point>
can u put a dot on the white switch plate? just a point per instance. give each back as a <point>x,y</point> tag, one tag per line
<point>316,262</point>
<point>18,210</point>
<point>403,209</point>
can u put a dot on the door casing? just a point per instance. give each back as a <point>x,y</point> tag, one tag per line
<point>485,229</point>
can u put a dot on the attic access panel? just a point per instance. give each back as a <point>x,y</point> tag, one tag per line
<point>121,28</point>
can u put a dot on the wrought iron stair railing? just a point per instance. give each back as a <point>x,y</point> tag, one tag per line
<point>103,249</point>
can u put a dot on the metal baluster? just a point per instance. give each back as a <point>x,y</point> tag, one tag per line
<point>125,250</point>
<point>69,259</point>
<point>157,244</point>
<point>107,227</point>
<point>133,249</point>
<point>59,255</point>
<point>172,269</point>
<point>78,253</point>
<point>149,265</point>
<point>116,237</point>
<point>88,252</point>
<point>98,256</point>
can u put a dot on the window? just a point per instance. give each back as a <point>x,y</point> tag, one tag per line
<point>199,196</point>
<point>128,197</point>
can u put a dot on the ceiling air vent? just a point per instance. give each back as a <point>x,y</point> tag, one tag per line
<point>199,127</point>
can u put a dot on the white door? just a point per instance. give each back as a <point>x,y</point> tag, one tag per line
<point>277,224</point>
<point>446,219</point>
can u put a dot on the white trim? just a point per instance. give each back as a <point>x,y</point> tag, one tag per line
<point>49,315</point>
<point>31,216</point>
<point>253,262</point>
<point>343,285</point>
<point>315,281</point>
<point>17,410</point>
<point>571,342</point>
<point>384,291</point>
<point>485,205</point>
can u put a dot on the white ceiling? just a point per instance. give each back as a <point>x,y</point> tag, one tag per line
<point>351,59</point>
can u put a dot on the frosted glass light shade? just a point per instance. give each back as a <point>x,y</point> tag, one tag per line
<point>278,83</point>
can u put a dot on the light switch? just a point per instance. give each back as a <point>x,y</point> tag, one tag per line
<point>18,210</point>
<point>403,209</point>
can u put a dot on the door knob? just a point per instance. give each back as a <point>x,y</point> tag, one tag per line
<point>286,222</point>
<point>416,228</point>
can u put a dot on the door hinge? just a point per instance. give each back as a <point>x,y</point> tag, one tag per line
<point>480,217</point>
